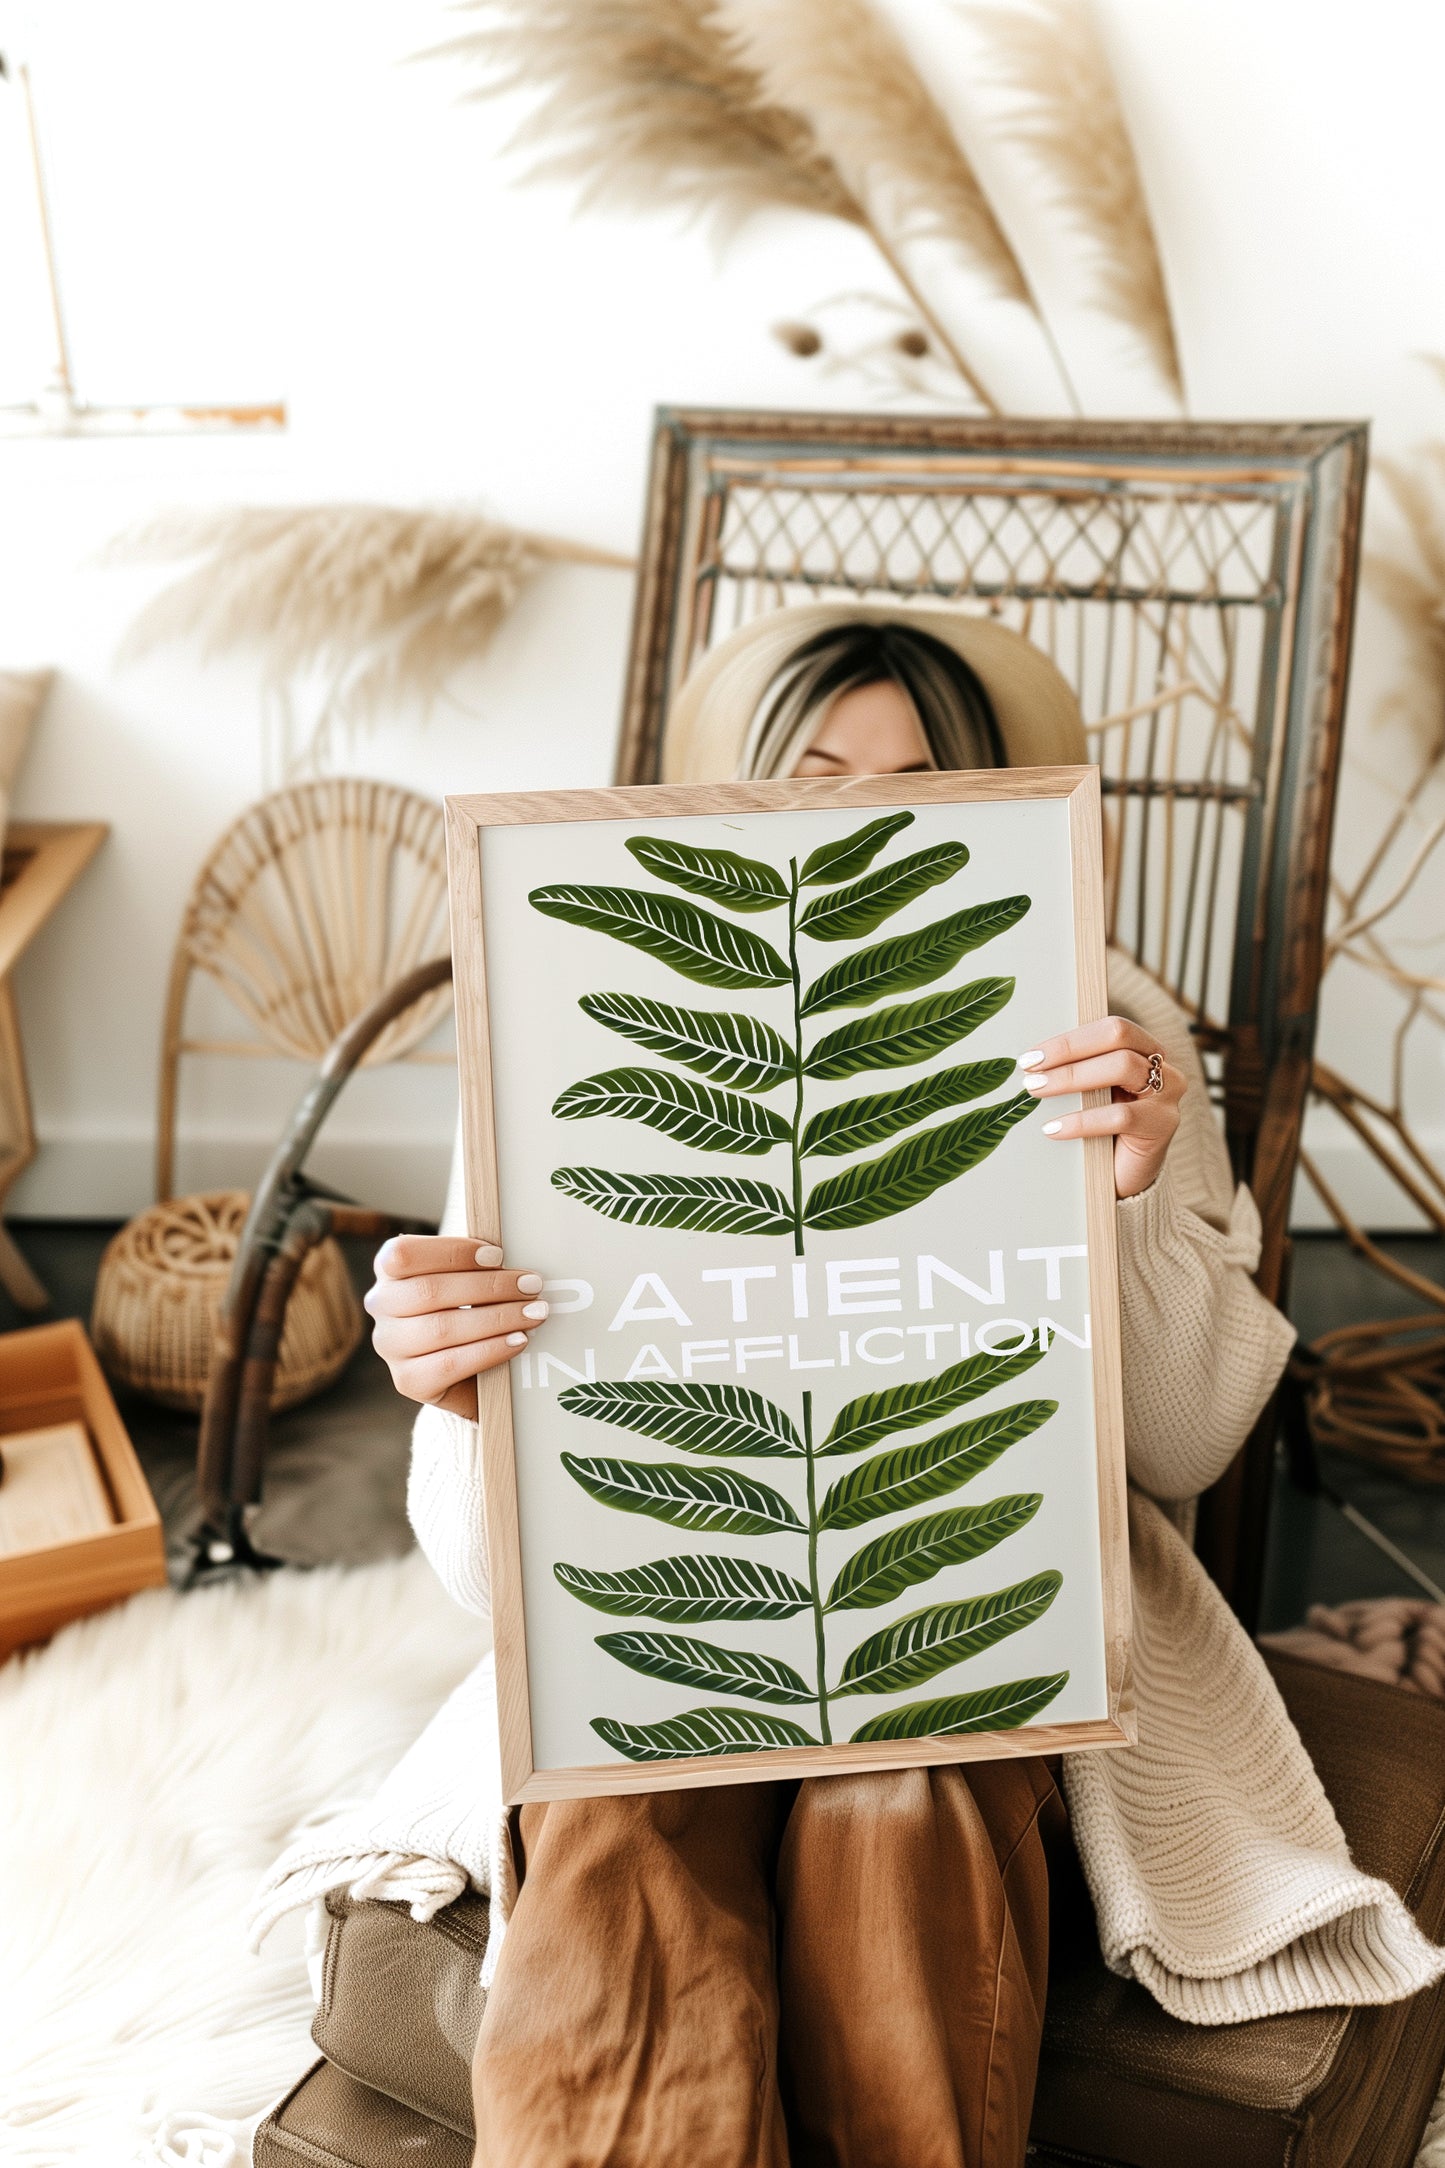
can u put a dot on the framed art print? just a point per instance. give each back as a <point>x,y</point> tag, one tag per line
<point>817,1464</point>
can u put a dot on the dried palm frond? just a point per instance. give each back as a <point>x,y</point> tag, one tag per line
<point>1068,117</point>
<point>843,67</point>
<point>389,601</point>
<point>649,103</point>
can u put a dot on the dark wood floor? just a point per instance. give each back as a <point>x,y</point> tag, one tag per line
<point>336,1479</point>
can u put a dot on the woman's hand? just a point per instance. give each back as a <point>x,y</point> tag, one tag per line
<point>445,1311</point>
<point>1115,1056</point>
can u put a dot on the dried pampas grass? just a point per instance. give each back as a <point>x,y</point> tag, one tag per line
<point>649,102</point>
<point>1068,117</point>
<point>1415,593</point>
<point>389,602</point>
<point>842,66</point>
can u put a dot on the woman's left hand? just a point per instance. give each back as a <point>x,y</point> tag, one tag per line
<point>1115,1056</point>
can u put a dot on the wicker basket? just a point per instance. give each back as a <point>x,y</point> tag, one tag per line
<point>160,1287</point>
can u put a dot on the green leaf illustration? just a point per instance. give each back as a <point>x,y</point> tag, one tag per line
<point>714,1419</point>
<point>697,943</point>
<point>701,1731</point>
<point>738,1050</point>
<point>849,912</point>
<point>715,1500</point>
<point>689,1591</point>
<point>897,1038</point>
<point>911,959</point>
<point>875,1189</point>
<point>851,855</point>
<point>991,1708</point>
<point>861,1122</point>
<point>915,1648</point>
<point>743,884</point>
<point>711,1204</point>
<point>909,1475</point>
<point>698,1114</point>
<point>915,1552</point>
<point>908,1407</point>
<point>708,1669</point>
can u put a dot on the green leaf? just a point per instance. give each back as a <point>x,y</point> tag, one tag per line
<point>907,1407</point>
<point>697,943</point>
<point>911,959</point>
<point>738,1050</point>
<point>896,1038</point>
<point>991,1708</point>
<point>918,1550</point>
<point>713,1204</point>
<point>708,1119</point>
<point>876,1189</point>
<point>701,1731</point>
<point>708,1669</point>
<point>851,855</point>
<point>856,910</point>
<point>860,1122</point>
<point>913,1649</point>
<point>909,1475</point>
<point>688,1591</point>
<point>716,1500</point>
<point>714,1419</point>
<point>743,884</point>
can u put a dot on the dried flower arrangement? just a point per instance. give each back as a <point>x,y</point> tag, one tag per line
<point>728,108</point>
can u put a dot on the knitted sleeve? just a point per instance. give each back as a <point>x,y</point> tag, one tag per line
<point>1202,1348</point>
<point>444,1487</point>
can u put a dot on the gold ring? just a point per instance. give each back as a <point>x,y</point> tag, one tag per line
<point>1154,1082</point>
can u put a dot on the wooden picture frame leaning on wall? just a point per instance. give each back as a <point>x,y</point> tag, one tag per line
<point>698,946</point>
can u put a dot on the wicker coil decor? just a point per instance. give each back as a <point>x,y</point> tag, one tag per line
<point>160,1287</point>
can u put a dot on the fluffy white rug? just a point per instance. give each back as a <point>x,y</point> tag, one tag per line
<point>153,1762</point>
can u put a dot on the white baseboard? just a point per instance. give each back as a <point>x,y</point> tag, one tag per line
<point>101,1178</point>
<point>79,1177</point>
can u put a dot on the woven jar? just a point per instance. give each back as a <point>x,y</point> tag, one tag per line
<point>159,1292</point>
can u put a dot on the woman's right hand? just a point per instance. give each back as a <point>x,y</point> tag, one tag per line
<point>444,1311</point>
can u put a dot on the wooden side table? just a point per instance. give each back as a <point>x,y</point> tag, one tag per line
<point>42,863</point>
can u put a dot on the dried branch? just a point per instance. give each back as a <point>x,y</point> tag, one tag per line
<point>1068,117</point>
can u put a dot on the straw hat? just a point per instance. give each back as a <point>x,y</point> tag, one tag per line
<point>1038,715</point>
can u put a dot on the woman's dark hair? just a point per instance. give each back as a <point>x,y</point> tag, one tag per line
<point>954,711</point>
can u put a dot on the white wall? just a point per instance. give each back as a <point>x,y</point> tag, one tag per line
<point>268,202</point>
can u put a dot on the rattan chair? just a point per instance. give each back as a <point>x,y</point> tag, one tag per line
<point>312,905</point>
<point>1195,584</point>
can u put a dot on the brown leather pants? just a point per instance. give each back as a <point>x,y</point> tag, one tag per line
<point>844,1973</point>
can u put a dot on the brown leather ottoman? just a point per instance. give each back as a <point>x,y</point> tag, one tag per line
<point>1119,2082</point>
<point>332,2122</point>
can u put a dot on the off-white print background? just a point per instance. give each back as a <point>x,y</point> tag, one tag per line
<point>1027,1195</point>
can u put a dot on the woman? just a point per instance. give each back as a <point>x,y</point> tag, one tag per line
<point>851,1970</point>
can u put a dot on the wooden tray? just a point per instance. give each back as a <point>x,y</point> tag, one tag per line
<point>49,1374</point>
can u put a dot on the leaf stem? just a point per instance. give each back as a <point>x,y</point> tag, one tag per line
<point>819,1642</point>
<point>797,1060</point>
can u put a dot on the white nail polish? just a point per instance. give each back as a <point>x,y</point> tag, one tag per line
<point>1032,1059</point>
<point>1051,1129</point>
<point>516,1339</point>
<point>489,1256</point>
<point>536,1309</point>
<point>529,1283</point>
<point>1036,1083</point>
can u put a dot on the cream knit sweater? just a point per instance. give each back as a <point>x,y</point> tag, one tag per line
<point>1219,1873</point>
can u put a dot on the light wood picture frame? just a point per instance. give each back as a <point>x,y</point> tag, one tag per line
<point>737,1669</point>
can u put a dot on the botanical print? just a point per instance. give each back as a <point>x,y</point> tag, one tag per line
<point>739,1087</point>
